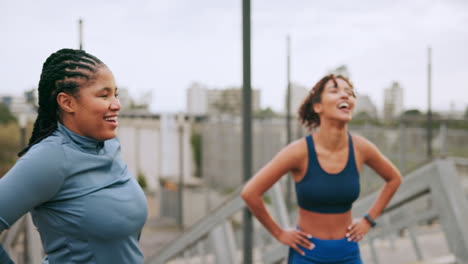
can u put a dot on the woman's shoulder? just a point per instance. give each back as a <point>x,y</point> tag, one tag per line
<point>44,162</point>
<point>360,140</point>
<point>297,148</point>
<point>49,148</point>
<point>363,145</point>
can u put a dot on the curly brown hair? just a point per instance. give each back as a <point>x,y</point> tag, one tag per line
<point>306,114</point>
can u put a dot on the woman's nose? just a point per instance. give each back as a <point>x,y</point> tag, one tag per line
<point>344,94</point>
<point>115,104</point>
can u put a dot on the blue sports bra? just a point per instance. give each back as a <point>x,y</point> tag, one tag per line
<point>323,192</point>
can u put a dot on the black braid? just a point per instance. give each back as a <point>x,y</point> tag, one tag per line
<point>61,72</point>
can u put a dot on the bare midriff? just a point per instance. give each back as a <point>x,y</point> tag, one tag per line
<point>324,226</point>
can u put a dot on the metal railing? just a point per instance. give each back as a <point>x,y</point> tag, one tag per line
<point>433,191</point>
<point>22,242</point>
<point>213,237</point>
<point>430,192</point>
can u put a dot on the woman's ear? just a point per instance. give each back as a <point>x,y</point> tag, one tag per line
<point>317,107</point>
<point>66,102</point>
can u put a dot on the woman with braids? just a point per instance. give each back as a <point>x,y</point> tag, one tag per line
<point>86,205</point>
<point>325,166</point>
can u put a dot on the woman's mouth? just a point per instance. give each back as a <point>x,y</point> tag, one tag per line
<point>111,119</point>
<point>344,106</point>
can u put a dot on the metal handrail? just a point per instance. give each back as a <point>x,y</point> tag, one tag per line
<point>437,181</point>
<point>28,250</point>
<point>201,229</point>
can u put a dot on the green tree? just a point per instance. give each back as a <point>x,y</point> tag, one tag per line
<point>9,146</point>
<point>142,180</point>
<point>265,113</point>
<point>412,112</point>
<point>196,142</point>
<point>5,115</point>
<point>229,102</point>
<point>362,116</point>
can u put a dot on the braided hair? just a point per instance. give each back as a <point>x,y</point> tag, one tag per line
<point>306,114</point>
<point>64,71</point>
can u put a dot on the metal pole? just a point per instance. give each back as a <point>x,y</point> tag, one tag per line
<point>180,187</point>
<point>22,121</point>
<point>80,25</point>
<point>401,146</point>
<point>22,138</point>
<point>247,127</point>
<point>288,118</point>
<point>429,106</point>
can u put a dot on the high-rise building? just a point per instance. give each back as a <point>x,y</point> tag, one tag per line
<point>197,96</point>
<point>365,105</point>
<point>201,100</point>
<point>341,70</point>
<point>125,100</point>
<point>298,94</point>
<point>393,102</point>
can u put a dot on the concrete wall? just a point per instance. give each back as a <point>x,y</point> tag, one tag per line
<point>150,146</point>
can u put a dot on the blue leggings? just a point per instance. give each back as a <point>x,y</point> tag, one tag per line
<point>4,258</point>
<point>336,251</point>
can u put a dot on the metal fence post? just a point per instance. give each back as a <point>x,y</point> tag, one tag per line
<point>452,204</point>
<point>224,244</point>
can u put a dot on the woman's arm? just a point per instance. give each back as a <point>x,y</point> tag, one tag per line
<point>288,159</point>
<point>389,173</point>
<point>34,179</point>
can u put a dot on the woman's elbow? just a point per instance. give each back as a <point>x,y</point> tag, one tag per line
<point>397,180</point>
<point>248,195</point>
<point>245,194</point>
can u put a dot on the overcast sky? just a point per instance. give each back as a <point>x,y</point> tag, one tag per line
<point>164,46</point>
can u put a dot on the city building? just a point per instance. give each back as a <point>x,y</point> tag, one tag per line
<point>341,70</point>
<point>298,94</point>
<point>393,102</point>
<point>197,99</point>
<point>125,99</point>
<point>131,106</point>
<point>365,106</point>
<point>20,106</point>
<point>204,101</point>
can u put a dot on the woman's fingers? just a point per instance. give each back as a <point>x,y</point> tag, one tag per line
<point>298,250</point>
<point>308,236</point>
<point>356,231</point>
<point>357,238</point>
<point>351,233</point>
<point>355,234</point>
<point>305,243</point>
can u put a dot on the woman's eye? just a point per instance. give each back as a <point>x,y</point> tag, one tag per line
<point>116,95</point>
<point>103,96</point>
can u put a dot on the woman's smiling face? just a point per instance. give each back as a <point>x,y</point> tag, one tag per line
<point>337,101</point>
<point>97,107</point>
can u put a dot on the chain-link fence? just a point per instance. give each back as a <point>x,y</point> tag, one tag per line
<point>405,145</point>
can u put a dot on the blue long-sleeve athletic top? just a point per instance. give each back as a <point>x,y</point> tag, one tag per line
<point>87,206</point>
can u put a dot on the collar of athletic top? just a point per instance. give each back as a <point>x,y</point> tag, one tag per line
<point>86,143</point>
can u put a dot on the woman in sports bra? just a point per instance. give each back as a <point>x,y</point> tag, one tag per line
<point>325,167</point>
